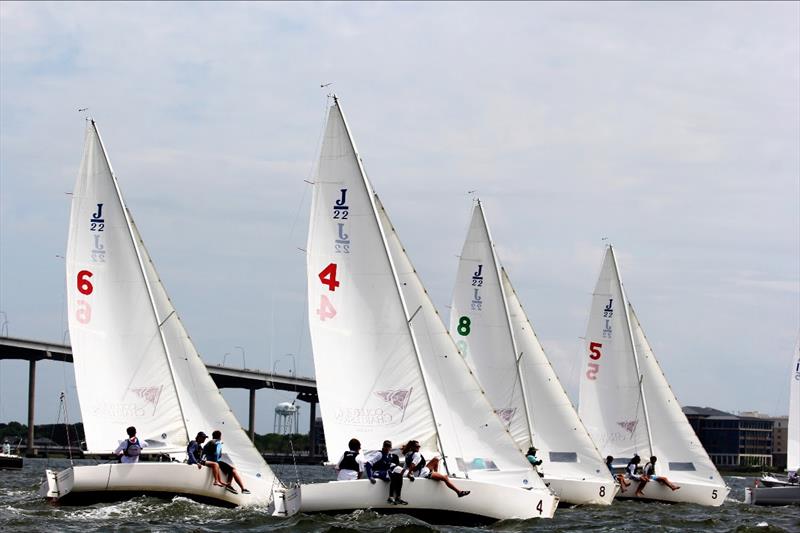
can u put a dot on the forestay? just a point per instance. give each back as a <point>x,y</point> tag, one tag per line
<point>626,416</point>
<point>134,361</point>
<point>497,339</point>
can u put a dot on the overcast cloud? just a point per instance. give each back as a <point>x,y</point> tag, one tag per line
<point>673,129</point>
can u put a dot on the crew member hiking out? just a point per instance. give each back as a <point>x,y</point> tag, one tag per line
<point>212,451</point>
<point>415,464</point>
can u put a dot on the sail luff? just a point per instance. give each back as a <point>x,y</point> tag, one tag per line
<point>374,210</point>
<point>516,354</point>
<point>147,282</point>
<point>625,305</point>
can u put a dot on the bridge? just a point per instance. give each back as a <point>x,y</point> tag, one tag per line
<point>225,377</point>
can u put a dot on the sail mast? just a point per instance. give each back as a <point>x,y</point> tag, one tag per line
<point>633,347</point>
<point>128,223</point>
<point>371,196</point>
<point>517,355</point>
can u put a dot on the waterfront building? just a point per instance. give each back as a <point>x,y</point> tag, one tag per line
<point>732,440</point>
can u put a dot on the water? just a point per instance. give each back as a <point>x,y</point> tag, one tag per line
<point>21,510</point>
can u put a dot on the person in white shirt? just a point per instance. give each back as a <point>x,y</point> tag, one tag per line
<point>351,464</point>
<point>130,449</point>
<point>415,465</point>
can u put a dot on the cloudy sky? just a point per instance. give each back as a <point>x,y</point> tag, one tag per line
<point>673,129</point>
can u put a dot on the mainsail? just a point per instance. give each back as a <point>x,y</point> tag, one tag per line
<point>498,341</point>
<point>625,400</point>
<point>386,367</point>
<point>134,361</point>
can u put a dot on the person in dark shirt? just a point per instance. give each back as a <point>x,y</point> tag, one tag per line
<point>623,483</point>
<point>195,452</point>
<point>386,466</point>
<point>351,464</point>
<point>650,475</point>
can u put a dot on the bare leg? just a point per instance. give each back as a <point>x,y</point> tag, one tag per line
<point>668,483</point>
<point>441,477</point>
<point>215,471</point>
<point>623,482</point>
<point>642,483</point>
<point>238,479</point>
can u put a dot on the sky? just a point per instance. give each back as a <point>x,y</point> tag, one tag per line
<point>671,129</point>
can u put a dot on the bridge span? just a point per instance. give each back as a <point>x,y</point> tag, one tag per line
<point>224,376</point>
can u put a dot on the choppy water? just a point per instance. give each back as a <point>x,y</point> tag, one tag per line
<point>21,510</point>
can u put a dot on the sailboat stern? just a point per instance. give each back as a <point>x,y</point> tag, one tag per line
<point>287,501</point>
<point>583,491</point>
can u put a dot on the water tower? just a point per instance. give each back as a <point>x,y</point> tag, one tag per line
<point>286,418</point>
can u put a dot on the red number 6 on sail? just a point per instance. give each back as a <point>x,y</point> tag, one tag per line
<point>84,285</point>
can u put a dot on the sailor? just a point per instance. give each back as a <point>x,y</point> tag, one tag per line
<point>195,453</point>
<point>619,477</point>
<point>533,460</point>
<point>351,463</point>
<point>386,466</point>
<point>213,452</point>
<point>631,472</point>
<point>415,464</point>
<point>650,475</point>
<point>130,449</point>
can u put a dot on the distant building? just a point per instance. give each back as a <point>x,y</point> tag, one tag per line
<point>780,436</point>
<point>732,440</point>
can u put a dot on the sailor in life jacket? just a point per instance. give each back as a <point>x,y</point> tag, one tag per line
<point>130,448</point>
<point>351,463</point>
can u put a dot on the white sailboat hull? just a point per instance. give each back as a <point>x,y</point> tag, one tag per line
<point>116,481</point>
<point>431,499</point>
<point>778,495</point>
<point>582,492</point>
<point>697,493</point>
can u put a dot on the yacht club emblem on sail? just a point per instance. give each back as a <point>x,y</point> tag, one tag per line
<point>397,398</point>
<point>628,425</point>
<point>149,394</point>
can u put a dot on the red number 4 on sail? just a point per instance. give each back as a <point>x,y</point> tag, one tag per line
<point>328,277</point>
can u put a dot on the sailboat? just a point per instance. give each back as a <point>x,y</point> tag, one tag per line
<point>135,364</point>
<point>387,368</point>
<point>628,406</point>
<point>771,490</point>
<point>497,340</point>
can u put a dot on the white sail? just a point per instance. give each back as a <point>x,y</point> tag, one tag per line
<point>793,447</point>
<point>564,443</point>
<point>480,324</point>
<point>626,402</point>
<point>473,438</point>
<point>386,367</point>
<point>368,377</point>
<point>122,371</point>
<point>497,339</point>
<point>134,361</point>
<point>611,404</point>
